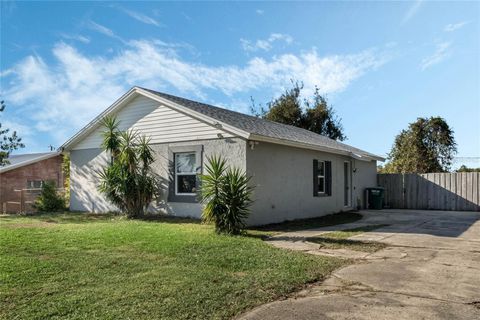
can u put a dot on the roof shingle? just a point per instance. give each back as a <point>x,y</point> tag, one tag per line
<point>262,127</point>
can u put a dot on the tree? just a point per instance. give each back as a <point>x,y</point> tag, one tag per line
<point>427,145</point>
<point>8,143</point>
<point>128,181</point>
<point>226,194</point>
<point>314,115</point>
<point>464,168</point>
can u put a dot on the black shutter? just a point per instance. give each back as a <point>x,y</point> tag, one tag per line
<point>328,177</point>
<point>315,177</point>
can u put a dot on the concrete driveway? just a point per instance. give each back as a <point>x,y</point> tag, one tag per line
<point>431,270</point>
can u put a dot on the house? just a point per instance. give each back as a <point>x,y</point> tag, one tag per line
<point>297,173</point>
<point>21,180</point>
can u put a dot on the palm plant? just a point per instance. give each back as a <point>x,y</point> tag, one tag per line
<point>226,193</point>
<point>128,181</point>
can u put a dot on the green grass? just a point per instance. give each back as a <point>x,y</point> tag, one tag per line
<point>339,239</point>
<point>77,266</point>
<point>345,234</point>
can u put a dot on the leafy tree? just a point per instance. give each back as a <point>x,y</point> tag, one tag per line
<point>464,168</point>
<point>226,194</point>
<point>427,145</point>
<point>314,115</point>
<point>8,142</point>
<point>128,181</point>
<point>49,200</point>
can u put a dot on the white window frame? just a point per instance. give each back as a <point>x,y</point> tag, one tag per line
<point>184,173</point>
<point>321,164</point>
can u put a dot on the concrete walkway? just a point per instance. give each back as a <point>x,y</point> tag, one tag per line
<point>431,270</point>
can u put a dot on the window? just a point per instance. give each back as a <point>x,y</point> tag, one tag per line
<point>321,177</point>
<point>34,184</point>
<point>185,173</point>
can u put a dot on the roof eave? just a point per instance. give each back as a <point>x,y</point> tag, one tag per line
<point>27,162</point>
<point>92,125</point>
<point>197,115</point>
<point>314,147</point>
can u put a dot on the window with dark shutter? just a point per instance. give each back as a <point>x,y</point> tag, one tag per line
<point>328,178</point>
<point>322,178</point>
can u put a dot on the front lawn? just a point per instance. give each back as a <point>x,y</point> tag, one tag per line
<point>77,266</point>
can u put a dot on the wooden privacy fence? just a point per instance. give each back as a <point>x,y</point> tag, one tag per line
<point>438,191</point>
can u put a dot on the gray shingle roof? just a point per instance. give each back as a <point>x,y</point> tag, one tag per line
<point>19,160</point>
<point>262,127</point>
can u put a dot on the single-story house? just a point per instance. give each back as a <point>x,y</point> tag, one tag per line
<point>22,178</point>
<point>296,173</point>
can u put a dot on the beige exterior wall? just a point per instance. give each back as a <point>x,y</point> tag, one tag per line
<point>283,179</point>
<point>86,163</point>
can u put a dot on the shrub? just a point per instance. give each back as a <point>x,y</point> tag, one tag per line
<point>128,181</point>
<point>49,200</point>
<point>226,194</point>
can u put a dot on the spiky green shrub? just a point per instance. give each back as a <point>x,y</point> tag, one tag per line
<point>128,181</point>
<point>49,199</point>
<point>226,195</point>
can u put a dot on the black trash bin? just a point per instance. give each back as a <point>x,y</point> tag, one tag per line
<point>374,197</point>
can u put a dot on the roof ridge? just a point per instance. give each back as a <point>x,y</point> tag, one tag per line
<point>240,113</point>
<point>262,127</point>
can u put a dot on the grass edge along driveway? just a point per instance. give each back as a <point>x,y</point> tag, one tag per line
<point>78,266</point>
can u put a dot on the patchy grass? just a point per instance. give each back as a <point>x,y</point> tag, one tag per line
<point>345,234</point>
<point>355,245</point>
<point>78,266</point>
<point>339,239</point>
<point>302,224</point>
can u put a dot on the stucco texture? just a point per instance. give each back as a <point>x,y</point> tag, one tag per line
<point>283,180</point>
<point>282,177</point>
<point>86,163</point>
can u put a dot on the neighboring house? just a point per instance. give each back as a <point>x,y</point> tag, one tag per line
<point>297,173</point>
<point>22,179</point>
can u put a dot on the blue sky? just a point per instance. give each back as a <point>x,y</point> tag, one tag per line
<point>381,64</point>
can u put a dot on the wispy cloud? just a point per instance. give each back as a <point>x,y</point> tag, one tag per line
<point>441,53</point>
<point>76,87</point>
<point>455,26</point>
<point>412,11</point>
<point>101,29</point>
<point>141,17</point>
<point>259,12</point>
<point>76,37</point>
<point>265,44</point>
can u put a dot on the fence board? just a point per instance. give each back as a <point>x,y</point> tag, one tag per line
<point>440,191</point>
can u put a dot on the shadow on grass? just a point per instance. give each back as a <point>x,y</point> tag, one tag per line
<point>163,218</point>
<point>311,223</point>
<point>86,217</point>
<point>266,231</point>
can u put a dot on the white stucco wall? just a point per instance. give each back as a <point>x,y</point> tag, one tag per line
<point>86,162</point>
<point>283,179</point>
